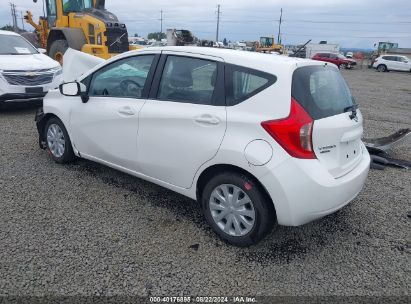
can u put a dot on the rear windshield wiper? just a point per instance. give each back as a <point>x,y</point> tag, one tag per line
<point>353,110</point>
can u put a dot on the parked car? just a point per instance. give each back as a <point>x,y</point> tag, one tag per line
<point>338,59</point>
<point>25,73</point>
<point>392,63</point>
<point>349,55</point>
<point>255,141</point>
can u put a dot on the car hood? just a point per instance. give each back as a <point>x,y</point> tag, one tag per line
<point>77,63</point>
<point>27,62</point>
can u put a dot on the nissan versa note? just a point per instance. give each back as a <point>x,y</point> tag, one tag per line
<point>257,140</point>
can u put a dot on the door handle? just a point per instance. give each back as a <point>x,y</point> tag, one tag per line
<point>126,111</point>
<point>208,120</point>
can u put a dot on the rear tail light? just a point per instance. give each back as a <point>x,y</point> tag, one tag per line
<point>293,133</point>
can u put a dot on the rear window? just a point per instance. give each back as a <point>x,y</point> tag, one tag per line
<point>321,91</point>
<point>243,83</point>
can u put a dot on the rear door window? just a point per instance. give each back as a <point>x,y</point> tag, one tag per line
<point>321,91</point>
<point>243,83</point>
<point>189,80</point>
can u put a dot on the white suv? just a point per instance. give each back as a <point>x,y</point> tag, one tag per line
<point>255,139</point>
<point>25,74</point>
<point>392,63</point>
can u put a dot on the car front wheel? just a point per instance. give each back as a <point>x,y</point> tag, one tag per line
<point>237,209</point>
<point>58,141</point>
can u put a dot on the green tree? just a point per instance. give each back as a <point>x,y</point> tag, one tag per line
<point>157,36</point>
<point>8,28</point>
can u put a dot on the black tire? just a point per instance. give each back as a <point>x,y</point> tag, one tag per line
<point>68,154</point>
<point>382,68</point>
<point>343,66</point>
<point>57,50</point>
<point>265,218</point>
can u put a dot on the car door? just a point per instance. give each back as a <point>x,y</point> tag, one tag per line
<point>183,123</point>
<point>391,62</point>
<point>105,128</point>
<point>334,59</point>
<point>403,64</point>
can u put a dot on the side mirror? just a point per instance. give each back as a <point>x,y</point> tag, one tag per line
<point>42,51</point>
<point>74,89</point>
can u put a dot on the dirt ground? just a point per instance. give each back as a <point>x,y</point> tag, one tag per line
<point>84,229</point>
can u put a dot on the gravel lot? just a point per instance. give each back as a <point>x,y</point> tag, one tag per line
<point>84,229</point>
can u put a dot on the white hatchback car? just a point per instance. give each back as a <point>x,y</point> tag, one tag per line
<point>255,139</point>
<point>25,74</point>
<point>392,63</point>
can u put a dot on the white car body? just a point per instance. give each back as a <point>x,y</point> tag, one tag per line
<point>393,63</point>
<point>26,75</point>
<point>172,144</point>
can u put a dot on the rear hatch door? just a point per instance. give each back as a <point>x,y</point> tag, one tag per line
<point>338,128</point>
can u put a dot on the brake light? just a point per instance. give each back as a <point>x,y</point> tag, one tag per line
<point>293,133</point>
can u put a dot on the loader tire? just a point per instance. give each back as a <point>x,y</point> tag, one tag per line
<point>57,50</point>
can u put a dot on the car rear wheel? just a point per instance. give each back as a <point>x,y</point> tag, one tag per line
<point>343,66</point>
<point>237,209</point>
<point>381,68</point>
<point>58,141</point>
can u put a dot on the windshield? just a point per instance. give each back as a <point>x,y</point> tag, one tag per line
<point>15,45</point>
<point>321,91</point>
<point>75,6</point>
<point>266,41</point>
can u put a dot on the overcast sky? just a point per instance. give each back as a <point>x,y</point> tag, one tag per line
<point>351,23</point>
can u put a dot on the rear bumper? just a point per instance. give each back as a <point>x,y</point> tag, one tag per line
<point>303,190</point>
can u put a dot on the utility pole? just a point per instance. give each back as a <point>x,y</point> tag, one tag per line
<point>279,27</point>
<point>13,15</point>
<point>22,19</point>
<point>218,23</point>
<point>161,28</point>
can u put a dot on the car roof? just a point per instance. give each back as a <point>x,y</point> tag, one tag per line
<point>228,55</point>
<point>8,33</point>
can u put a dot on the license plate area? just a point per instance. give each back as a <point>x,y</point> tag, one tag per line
<point>349,152</point>
<point>34,90</point>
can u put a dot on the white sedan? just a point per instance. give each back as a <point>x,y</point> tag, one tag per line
<point>257,140</point>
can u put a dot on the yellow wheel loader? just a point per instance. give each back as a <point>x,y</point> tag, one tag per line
<point>267,45</point>
<point>83,25</point>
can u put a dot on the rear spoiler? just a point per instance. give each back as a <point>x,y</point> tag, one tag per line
<point>77,63</point>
